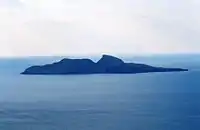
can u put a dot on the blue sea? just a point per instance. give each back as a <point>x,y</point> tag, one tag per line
<point>154,101</point>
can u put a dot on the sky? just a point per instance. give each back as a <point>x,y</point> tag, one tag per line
<point>92,27</point>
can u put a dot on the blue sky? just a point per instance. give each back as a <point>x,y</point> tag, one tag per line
<point>90,27</point>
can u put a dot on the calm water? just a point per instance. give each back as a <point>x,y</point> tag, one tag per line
<point>157,101</point>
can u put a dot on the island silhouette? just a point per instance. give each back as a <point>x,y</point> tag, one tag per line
<point>106,65</point>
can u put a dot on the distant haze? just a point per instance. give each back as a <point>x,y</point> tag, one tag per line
<point>86,27</point>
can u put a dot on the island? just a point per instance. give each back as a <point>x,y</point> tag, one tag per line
<point>106,65</point>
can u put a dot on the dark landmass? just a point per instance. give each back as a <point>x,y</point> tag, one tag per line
<point>106,65</point>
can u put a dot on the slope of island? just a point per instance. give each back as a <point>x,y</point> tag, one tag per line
<point>106,65</point>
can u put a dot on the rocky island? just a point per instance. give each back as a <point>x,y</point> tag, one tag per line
<point>106,65</point>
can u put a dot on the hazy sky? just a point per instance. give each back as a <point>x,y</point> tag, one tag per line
<point>86,27</point>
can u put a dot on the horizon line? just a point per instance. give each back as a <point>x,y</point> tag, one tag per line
<point>97,55</point>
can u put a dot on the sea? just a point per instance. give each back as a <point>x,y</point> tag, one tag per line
<point>153,101</point>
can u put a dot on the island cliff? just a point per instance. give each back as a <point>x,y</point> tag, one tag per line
<point>106,65</point>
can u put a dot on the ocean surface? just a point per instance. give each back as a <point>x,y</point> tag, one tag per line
<point>154,101</point>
